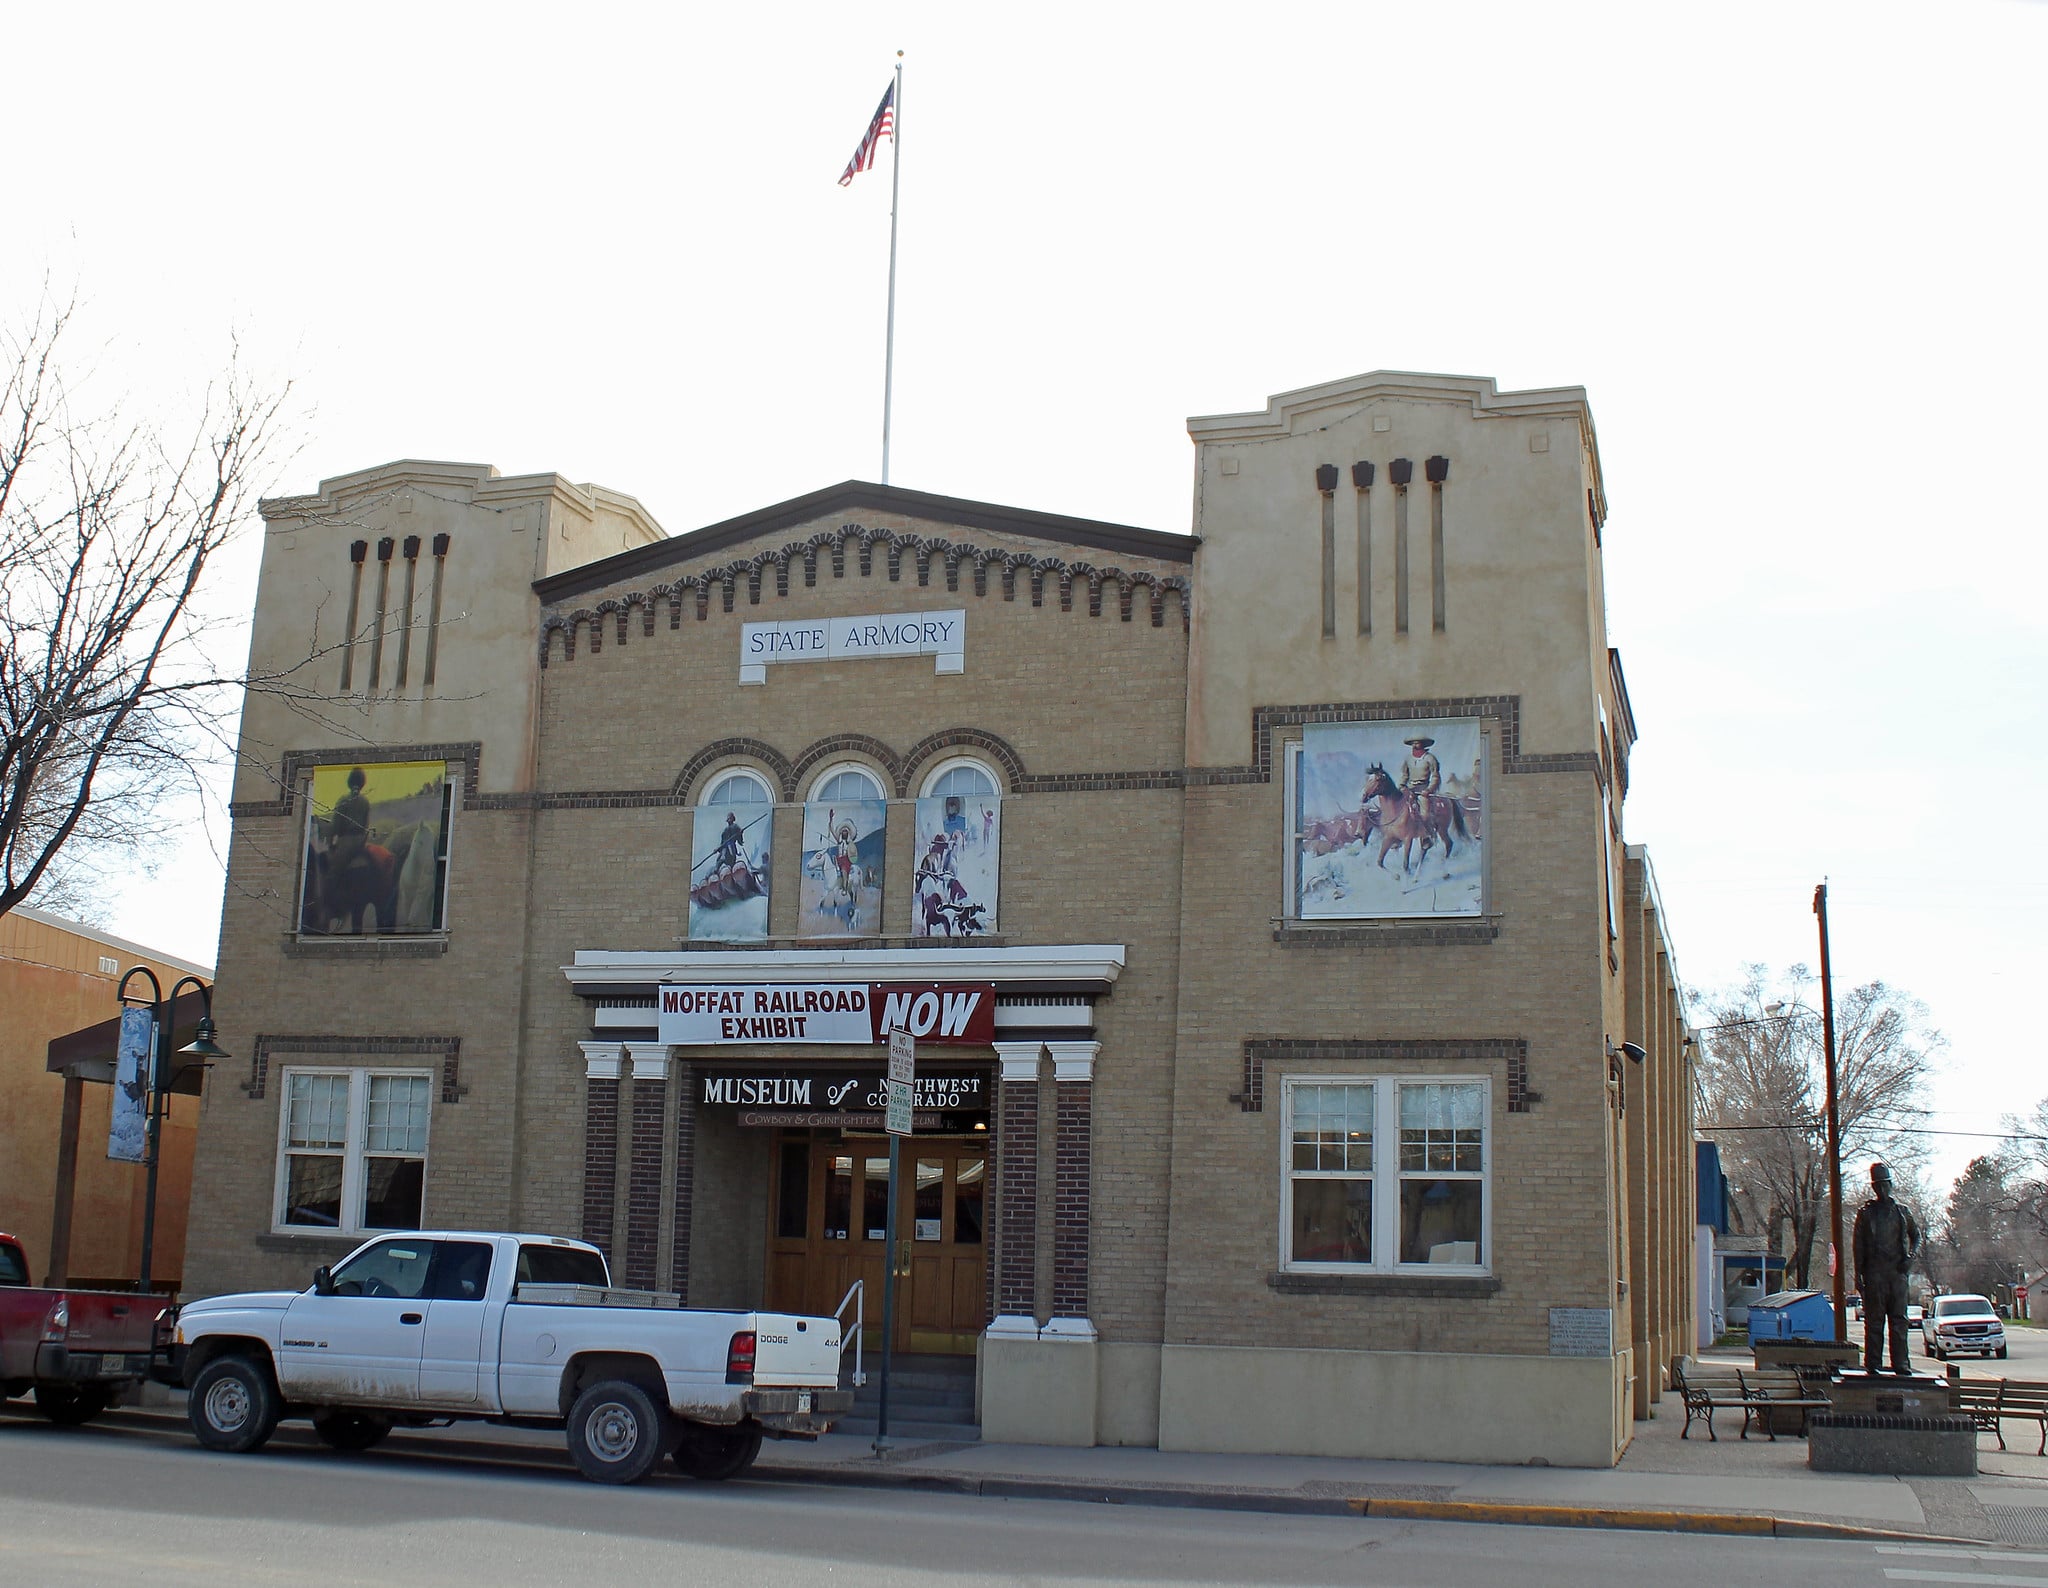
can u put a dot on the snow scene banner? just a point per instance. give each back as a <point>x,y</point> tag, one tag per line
<point>1388,819</point>
<point>128,1129</point>
<point>959,841</point>
<point>839,888</point>
<point>729,872</point>
<point>376,849</point>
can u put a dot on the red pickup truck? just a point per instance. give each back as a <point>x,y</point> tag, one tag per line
<point>74,1348</point>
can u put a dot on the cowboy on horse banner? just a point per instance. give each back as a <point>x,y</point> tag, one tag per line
<point>1388,819</point>
<point>841,876</point>
<point>376,849</point>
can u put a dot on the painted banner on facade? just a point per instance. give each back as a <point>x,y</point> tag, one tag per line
<point>959,845</point>
<point>839,891</point>
<point>1389,818</point>
<point>848,1012</point>
<point>376,849</point>
<point>729,854</point>
<point>128,1132</point>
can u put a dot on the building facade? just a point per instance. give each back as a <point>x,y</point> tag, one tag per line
<point>1257,897</point>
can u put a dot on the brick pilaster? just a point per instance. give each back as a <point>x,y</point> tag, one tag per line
<point>1017,1191</point>
<point>600,1141</point>
<point>1073,1182</point>
<point>643,1183</point>
<point>686,1181</point>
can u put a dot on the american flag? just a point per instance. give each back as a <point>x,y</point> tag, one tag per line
<point>883,126</point>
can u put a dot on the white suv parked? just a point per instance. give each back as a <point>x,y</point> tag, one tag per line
<point>1962,1326</point>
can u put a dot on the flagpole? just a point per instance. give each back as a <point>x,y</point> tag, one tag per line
<point>895,186</point>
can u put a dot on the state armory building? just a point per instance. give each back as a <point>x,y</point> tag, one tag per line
<point>1258,897</point>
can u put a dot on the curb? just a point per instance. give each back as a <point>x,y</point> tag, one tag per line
<point>1737,1524</point>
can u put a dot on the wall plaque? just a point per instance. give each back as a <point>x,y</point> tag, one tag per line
<point>1581,1331</point>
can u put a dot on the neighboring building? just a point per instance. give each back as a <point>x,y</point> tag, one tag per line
<point>1258,898</point>
<point>1709,1272</point>
<point>78,1213</point>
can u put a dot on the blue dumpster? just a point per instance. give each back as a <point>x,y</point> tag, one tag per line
<point>1792,1315</point>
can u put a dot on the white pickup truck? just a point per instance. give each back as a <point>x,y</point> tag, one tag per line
<point>425,1328</point>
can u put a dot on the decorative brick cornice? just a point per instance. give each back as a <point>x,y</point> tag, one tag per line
<point>297,763</point>
<point>1506,710</point>
<point>1511,1053</point>
<point>841,745</point>
<point>448,1049</point>
<point>924,554</point>
<point>729,749</point>
<point>372,948</point>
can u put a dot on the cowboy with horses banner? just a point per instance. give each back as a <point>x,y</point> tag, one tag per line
<point>1388,819</point>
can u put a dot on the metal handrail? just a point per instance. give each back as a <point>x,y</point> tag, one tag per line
<point>855,1298</point>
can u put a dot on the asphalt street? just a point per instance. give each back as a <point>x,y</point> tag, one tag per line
<point>118,1502</point>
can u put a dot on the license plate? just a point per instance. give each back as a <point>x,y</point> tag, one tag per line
<point>113,1364</point>
<point>803,1401</point>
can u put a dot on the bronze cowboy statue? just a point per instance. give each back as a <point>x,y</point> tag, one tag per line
<point>1885,1242</point>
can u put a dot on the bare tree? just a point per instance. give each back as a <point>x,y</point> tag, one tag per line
<point>1763,1097</point>
<point>107,528</point>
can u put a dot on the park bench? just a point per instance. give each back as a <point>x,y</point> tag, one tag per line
<point>1706,1390</point>
<point>2025,1400</point>
<point>1778,1399</point>
<point>1977,1399</point>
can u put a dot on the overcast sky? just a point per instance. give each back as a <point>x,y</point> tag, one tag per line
<point>1793,253</point>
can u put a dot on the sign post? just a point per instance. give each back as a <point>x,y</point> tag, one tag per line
<point>902,1094</point>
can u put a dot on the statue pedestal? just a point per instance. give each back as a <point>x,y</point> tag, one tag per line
<point>1901,1423</point>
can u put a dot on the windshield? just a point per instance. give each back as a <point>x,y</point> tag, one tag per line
<point>1963,1307</point>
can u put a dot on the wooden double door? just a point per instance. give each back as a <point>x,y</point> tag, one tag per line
<point>826,1222</point>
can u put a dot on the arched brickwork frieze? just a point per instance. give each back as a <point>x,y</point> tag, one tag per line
<point>846,744</point>
<point>765,756</point>
<point>961,741</point>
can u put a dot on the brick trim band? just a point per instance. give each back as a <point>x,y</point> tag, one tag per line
<point>1399,934</point>
<point>1511,1053</point>
<point>297,763</point>
<point>1449,1287</point>
<point>448,1049</point>
<point>1503,709</point>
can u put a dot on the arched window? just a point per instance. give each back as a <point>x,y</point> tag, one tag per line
<point>842,783</point>
<point>962,777</point>
<point>738,788</point>
<point>729,859</point>
<point>958,851</point>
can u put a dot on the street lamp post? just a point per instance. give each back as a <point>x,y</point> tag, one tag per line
<point>1840,1265</point>
<point>202,1047</point>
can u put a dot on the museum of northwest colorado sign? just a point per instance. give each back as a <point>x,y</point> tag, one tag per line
<point>720,1013</point>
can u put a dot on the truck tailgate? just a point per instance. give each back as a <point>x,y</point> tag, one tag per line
<point>795,1350</point>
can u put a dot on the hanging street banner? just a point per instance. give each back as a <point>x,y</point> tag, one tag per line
<point>714,1014</point>
<point>128,1132</point>
<point>942,635</point>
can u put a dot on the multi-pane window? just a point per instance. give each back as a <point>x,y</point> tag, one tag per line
<point>1428,1139</point>
<point>847,783</point>
<point>352,1149</point>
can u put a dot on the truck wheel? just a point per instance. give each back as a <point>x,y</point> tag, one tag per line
<point>350,1431</point>
<point>68,1405</point>
<point>714,1454</point>
<point>616,1432</point>
<point>233,1405</point>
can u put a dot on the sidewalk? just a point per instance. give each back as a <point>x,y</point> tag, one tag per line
<point>1664,1483</point>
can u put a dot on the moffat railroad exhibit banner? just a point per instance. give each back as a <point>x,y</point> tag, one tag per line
<point>849,1012</point>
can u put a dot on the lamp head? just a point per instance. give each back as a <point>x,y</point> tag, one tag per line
<point>202,1046</point>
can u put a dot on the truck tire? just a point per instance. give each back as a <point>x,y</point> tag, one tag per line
<point>617,1432</point>
<point>233,1405</point>
<point>350,1431</point>
<point>68,1405</point>
<point>712,1455</point>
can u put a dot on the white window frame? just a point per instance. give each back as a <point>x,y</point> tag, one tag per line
<point>353,1152</point>
<point>1386,1175</point>
<point>928,789</point>
<point>881,784</point>
<point>718,779</point>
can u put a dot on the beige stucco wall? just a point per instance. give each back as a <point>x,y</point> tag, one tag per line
<point>1413,1405</point>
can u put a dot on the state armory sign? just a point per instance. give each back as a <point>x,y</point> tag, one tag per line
<point>848,1012</point>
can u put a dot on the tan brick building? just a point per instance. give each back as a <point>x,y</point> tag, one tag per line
<point>1258,898</point>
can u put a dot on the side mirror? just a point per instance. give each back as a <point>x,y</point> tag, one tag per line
<point>323,1281</point>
